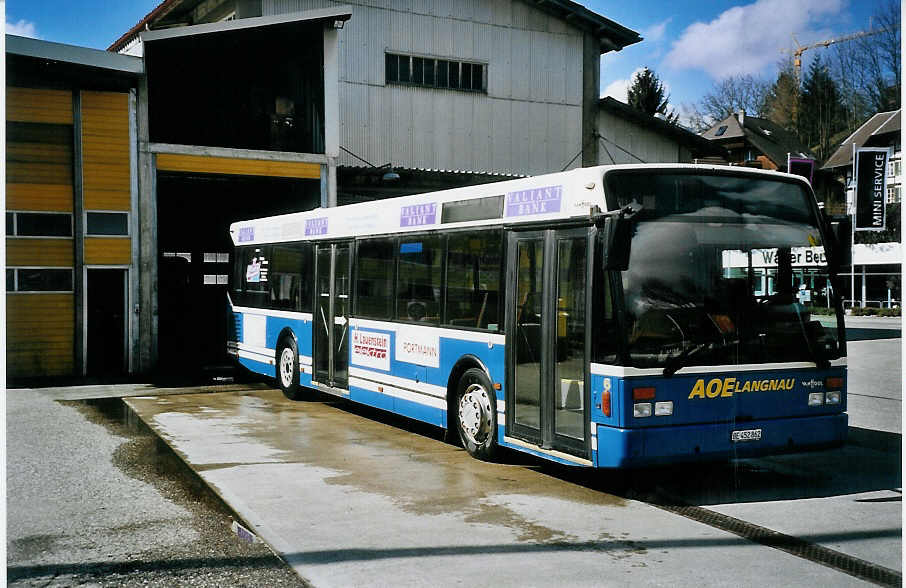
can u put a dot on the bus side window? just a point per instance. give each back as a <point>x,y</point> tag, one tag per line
<point>473,279</point>
<point>374,278</point>
<point>250,286</point>
<point>418,285</point>
<point>289,290</point>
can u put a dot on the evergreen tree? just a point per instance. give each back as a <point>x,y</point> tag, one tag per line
<point>782,101</point>
<point>648,94</point>
<point>821,113</point>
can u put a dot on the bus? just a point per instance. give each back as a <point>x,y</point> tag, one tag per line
<point>613,316</point>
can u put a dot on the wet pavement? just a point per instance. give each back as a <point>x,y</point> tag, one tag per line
<point>100,494</point>
<point>351,497</point>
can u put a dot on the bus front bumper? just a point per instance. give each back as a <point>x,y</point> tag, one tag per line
<point>712,441</point>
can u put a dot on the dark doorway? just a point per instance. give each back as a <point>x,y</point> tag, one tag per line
<point>106,317</point>
<point>195,260</point>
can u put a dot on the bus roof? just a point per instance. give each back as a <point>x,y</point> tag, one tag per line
<point>551,197</point>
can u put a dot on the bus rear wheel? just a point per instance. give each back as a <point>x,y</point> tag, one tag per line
<point>288,369</point>
<point>476,414</point>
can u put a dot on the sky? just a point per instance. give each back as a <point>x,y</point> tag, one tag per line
<point>689,44</point>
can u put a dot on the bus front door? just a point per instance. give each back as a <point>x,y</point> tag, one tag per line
<point>548,339</point>
<point>331,320</point>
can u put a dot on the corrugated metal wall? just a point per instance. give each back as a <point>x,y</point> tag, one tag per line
<point>39,163</point>
<point>644,144</point>
<point>528,122</point>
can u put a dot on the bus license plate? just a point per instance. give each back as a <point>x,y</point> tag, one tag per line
<point>746,435</point>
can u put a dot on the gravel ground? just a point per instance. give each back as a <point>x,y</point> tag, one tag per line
<point>92,501</point>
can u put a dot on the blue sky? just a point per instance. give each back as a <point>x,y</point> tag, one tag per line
<point>686,41</point>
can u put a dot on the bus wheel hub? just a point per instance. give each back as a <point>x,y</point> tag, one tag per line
<point>286,366</point>
<point>475,413</point>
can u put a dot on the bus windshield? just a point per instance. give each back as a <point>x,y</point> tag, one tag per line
<point>724,270</point>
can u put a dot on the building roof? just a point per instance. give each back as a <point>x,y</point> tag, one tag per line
<point>874,128</point>
<point>763,134</point>
<point>71,54</point>
<point>339,13</point>
<point>687,138</point>
<point>611,35</point>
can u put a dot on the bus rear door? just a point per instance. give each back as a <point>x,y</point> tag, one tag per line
<point>331,316</point>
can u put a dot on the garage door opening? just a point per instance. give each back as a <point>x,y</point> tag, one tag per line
<point>195,260</point>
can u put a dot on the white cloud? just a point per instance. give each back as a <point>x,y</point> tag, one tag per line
<point>748,39</point>
<point>655,32</point>
<point>23,28</point>
<point>619,89</point>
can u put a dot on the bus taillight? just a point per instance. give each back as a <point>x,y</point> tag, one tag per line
<point>833,383</point>
<point>643,393</point>
<point>605,403</point>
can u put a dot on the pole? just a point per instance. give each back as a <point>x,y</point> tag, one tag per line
<point>852,242</point>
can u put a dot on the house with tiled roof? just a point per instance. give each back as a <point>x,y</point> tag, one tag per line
<point>881,130</point>
<point>757,142</point>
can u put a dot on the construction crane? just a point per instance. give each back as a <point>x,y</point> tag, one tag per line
<point>800,49</point>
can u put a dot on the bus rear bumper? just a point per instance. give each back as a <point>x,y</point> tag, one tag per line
<point>712,442</point>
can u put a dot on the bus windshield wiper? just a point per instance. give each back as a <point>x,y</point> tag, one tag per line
<point>675,362</point>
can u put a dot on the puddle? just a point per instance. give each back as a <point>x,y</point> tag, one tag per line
<point>366,450</point>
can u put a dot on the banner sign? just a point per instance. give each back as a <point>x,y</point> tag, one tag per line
<point>418,214</point>
<point>316,226</point>
<point>246,234</point>
<point>870,170</point>
<point>534,201</point>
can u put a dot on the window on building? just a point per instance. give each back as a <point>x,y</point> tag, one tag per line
<point>435,73</point>
<point>374,278</point>
<point>893,194</point>
<point>106,223</point>
<point>721,131</point>
<point>473,279</point>
<point>418,287</point>
<point>39,224</point>
<point>22,279</point>
<point>893,167</point>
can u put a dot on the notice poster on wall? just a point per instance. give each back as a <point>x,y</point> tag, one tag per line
<point>371,349</point>
<point>870,170</point>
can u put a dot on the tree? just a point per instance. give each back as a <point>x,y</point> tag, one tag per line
<point>648,94</point>
<point>782,101</point>
<point>821,113</point>
<point>867,69</point>
<point>733,93</point>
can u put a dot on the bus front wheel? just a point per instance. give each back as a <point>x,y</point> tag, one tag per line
<point>476,414</point>
<point>288,369</point>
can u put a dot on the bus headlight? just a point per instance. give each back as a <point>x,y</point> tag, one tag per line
<point>833,397</point>
<point>663,408</point>
<point>815,398</point>
<point>641,409</point>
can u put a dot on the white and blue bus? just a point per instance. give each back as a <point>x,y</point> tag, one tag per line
<point>609,317</point>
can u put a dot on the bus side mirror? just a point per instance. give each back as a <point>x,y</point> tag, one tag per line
<point>616,240</point>
<point>841,228</point>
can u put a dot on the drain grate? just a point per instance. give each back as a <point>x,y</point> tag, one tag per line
<point>848,564</point>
